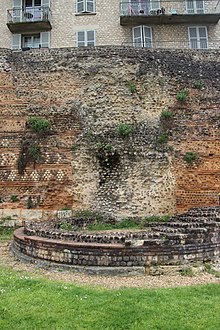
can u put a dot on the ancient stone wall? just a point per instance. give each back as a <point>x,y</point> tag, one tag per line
<point>86,162</point>
<point>186,239</point>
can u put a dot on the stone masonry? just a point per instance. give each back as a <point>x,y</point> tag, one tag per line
<point>86,163</point>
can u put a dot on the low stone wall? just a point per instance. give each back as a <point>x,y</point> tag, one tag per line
<point>174,243</point>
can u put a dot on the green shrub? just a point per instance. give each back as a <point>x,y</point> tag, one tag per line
<point>132,87</point>
<point>163,138</point>
<point>14,198</point>
<point>30,203</point>
<point>89,214</point>
<point>181,96</point>
<point>34,152</point>
<point>39,125</point>
<point>166,114</point>
<point>66,226</point>
<point>125,129</point>
<point>157,218</point>
<point>198,84</point>
<point>190,157</point>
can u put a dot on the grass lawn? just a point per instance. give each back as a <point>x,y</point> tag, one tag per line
<point>29,303</point>
<point>6,233</point>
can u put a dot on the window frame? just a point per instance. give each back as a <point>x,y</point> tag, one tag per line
<point>143,36</point>
<point>85,38</point>
<point>85,7</point>
<point>195,9</point>
<point>198,38</point>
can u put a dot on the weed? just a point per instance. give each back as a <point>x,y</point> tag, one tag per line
<point>6,218</point>
<point>39,125</point>
<point>74,147</point>
<point>209,269</point>
<point>89,214</point>
<point>34,152</point>
<point>66,226</point>
<point>198,84</point>
<point>66,208</point>
<point>157,218</point>
<point>14,198</point>
<point>190,157</point>
<point>30,203</point>
<point>163,138</point>
<point>132,87</point>
<point>166,114</point>
<point>181,96</point>
<point>125,129</point>
<point>186,271</point>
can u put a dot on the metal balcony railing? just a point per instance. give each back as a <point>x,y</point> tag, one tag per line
<point>176,44</point>
<point>27,15</point>
<point>179,7</point>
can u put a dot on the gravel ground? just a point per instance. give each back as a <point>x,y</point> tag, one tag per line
<point>116,282</point>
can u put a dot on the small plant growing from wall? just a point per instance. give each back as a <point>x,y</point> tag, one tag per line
<point>182,96</point>
<point>190,157</point>
<point>29,153</point>
<point>198,84</point>
<point>39,125</point>
<point>132,87</point>
<point>162,138</point>
<point>14,198</point>
<point>30,203</point>
<point>125,130</point>
<point>166,114</point>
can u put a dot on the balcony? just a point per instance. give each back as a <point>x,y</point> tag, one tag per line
<point>169,12</point>
<point>194,44</point>
<point>31,19</point>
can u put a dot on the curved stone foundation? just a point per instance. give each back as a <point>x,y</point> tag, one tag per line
<point>188,238</point>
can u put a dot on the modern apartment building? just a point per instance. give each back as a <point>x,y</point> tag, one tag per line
<point>28,24</point>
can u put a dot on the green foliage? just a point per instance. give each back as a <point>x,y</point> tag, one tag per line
<point>187,271</point>
<point>74,147</point>
<point>6,233</point>
<point>39,125</point>
<point>190,157</point>
<point>122,224</point>
<point>132,87</point>
<point>166,114</point>
<point>34,152</point>
<point>66,226</point>
<point>181,96</point>
<point>29,152</point>
<point>86,214</point>
<point>129,223</point>
<point>3,220</point>
<point>14,198</point>
<point>30,204</point>
<point>158,218</point>
<point>198,84</point>
<point>163,138</point>
<point>29,301</point>
<point>125,129</point>
<point>209,269</point>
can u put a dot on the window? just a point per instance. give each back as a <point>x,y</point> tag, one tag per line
<point>30,41</point>
<point>195,6</point>
<point>85,6</point>
<point>142,36</point>
<point>198,37</point>
<point>85,38</point>
<point>38,40</point>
